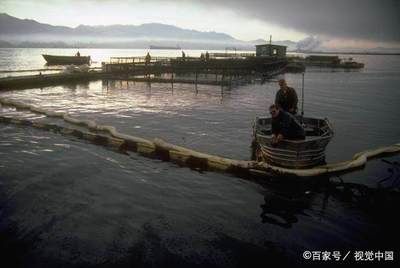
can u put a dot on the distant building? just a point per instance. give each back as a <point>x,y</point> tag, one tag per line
<point>270,50</point>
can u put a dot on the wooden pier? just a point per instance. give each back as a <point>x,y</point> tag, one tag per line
<point>46,80</point>
<point>227,66</point>
<point>218,71</point>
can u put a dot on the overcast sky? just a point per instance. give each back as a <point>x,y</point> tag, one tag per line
<point>345,22</point>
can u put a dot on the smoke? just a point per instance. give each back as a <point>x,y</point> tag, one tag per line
<point>308,44</point>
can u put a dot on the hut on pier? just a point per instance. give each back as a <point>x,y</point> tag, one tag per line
<point>270,50</point>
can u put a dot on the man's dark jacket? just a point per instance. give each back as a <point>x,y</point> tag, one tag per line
<point>287,100</point>
<point>287,125</point>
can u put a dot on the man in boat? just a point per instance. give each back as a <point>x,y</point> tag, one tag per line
<point>286,98</point>
<point>285,125</point>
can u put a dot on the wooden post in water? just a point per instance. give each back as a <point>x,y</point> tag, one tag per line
<point>302,98</point>
<point>222,93</point>
<point>222,78</point>
<point>172,79</point>
<point>196,79</point>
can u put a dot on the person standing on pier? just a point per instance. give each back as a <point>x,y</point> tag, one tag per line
<point>207,56</point>
<point>78,54</point>
<point>147,59</point>
<point>286,98</point>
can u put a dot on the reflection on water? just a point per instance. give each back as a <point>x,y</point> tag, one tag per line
<point>65,202</point>
<point>282,210</point>
<point>285,202</point>
<point>392,180</point>
<point>74,86</point>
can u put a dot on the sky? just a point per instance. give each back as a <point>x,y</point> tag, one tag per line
<point>352,23</point>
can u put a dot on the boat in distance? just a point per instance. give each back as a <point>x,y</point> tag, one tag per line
<point>332,62</point>
<point>294,154</point>
<point>63,60</point>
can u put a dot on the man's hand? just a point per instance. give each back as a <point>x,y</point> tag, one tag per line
<point>273,140</point>
<point>276,139</point>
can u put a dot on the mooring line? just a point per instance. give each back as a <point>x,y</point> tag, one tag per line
<point>181,155</point>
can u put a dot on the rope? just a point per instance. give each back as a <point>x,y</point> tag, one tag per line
<point>182,155</point>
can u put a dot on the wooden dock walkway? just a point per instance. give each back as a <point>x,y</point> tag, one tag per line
<point>45,80</point>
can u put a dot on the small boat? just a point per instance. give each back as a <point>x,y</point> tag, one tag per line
<point>350,64</point>
<point>62,60</point>
<point>294,154</point>
<point>332,62</point>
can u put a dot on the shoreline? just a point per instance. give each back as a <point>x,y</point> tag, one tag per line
<point>348,53</point>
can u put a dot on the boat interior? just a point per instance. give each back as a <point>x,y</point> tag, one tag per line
<point>314,127</point>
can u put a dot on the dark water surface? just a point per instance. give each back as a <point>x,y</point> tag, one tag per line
<point>65,202</point>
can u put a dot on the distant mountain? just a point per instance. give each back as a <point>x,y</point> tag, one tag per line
<point>5,44</point>
<point>291,46</point>
<point>12,26</point>
<point>258,41</point>
<point>153,30</point>
<point>15,32</point>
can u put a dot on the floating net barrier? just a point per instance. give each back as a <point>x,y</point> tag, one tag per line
<point>157,148</point>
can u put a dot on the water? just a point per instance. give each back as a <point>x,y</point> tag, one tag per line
<point>65,202</point>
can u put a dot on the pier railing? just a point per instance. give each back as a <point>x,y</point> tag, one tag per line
<point>142,59</point>
<point>231,55</point>
<point>225,65</point>
<point>138,60</point>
